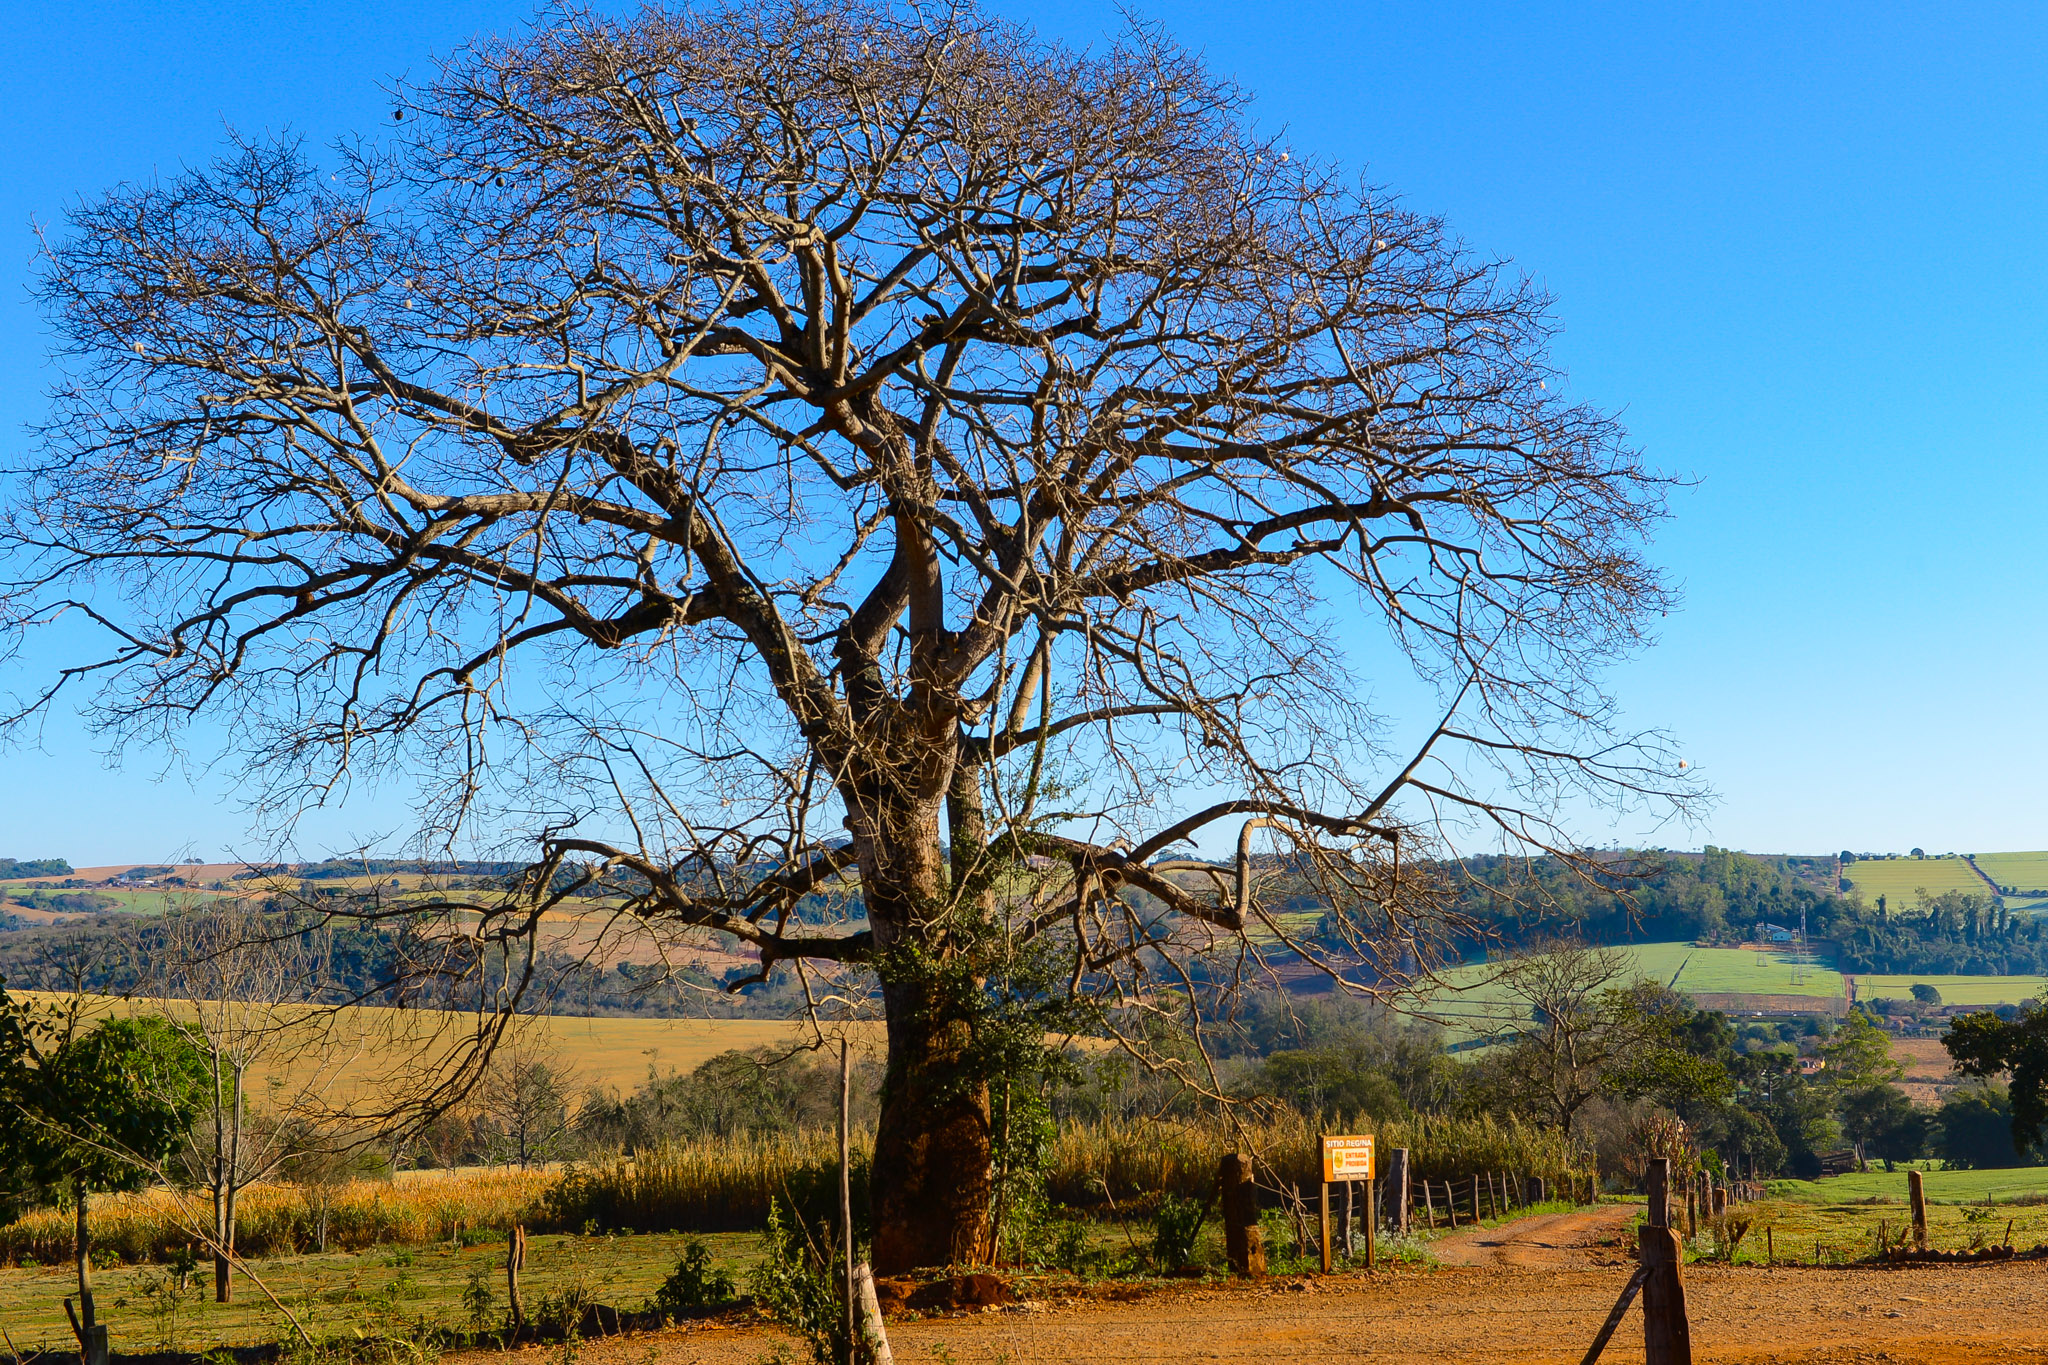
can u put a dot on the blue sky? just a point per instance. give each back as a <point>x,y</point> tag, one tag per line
<point>1800,247</point>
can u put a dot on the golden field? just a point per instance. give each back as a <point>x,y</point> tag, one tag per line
<point>354,1051</point>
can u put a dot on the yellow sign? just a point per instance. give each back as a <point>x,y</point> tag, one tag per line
<point>1347,1158</point>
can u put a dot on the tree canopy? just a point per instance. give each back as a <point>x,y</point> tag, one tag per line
<point>103,1106</point>
<point>757,451</point>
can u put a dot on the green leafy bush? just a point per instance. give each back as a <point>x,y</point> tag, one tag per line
<point>695,1287</point>
<point>1176,1222</point>
<point>799,1289</point>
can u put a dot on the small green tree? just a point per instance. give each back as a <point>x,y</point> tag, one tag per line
<point>1883,1123</point>
<point>97,1109</point>
<point>1859,1055</point>
<point>1975,1129</point>
<point>1926,994</point>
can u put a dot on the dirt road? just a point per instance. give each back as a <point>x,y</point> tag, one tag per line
<point>1555,1241</point>
<point>1535,1295</point>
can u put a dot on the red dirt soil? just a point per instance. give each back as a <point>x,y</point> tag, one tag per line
<point>1535,1290</point>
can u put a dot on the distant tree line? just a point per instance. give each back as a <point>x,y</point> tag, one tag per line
<point>398,962</point>
<point>33,867</point>
<point>1721,895</point>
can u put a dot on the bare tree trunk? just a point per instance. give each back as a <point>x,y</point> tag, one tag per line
<point>224,1199</point>
<point>218,1179</point>
<point>83,1252</point>
<point>846,1188</point>
<point>931,1169</point>
<point>92,1337</point>
<point>515,1261</point>
<point>931,1175</point>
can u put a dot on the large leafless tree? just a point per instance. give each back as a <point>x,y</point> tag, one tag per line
<point>776,450</point>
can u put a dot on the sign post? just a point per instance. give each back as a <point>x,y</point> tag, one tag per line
<point>1346,1158</point>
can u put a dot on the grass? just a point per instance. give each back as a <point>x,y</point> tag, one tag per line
<point>144,901</point>
<point>725,1184</point>
<point>1943,1187</point>
<point>1900,880</point>
<point>2020,871</point>
<point>1470,1003</point>
<point>1743,972</point>
<point>1956,990</point>
<point>1296,924</point>
<point>1848,1231</point>
<point>398,1266</point>
<point>382,1287</point>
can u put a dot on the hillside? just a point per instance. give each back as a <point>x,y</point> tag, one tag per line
<point>359,1049</point>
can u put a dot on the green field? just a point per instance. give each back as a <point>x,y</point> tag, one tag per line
<point>1956,990</point>
<point>1943,1187</point>
<point>2021,871</point>
<point>386,1289</point>
<point>1901,880</point>
<point>1471,1003</point>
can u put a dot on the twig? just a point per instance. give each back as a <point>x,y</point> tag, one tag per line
<point>1103,1181</point>
<point>15,1351</point>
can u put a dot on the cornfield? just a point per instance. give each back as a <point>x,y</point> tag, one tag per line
<point>709,1186</point>
<point>1133,1160</point>
<point>712,1185</point>
<point>279,1220</point>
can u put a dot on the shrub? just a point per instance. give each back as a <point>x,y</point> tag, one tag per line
<point>798,1289</point>
<point>1176,1222</point>
<point>695,1287</point>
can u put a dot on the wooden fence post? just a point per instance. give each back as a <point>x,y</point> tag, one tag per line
<point>1532,1189</point>
<point>1372,1221</point>
<point>1918,1193</point>
<point>1324,1186</point>
<point>1667,1337</point>
<point>1720,1201</point>
<point>1657,1188</point>
<point>1241,1216</point>
<point>876,1336</point>
<point>1398,1196</point>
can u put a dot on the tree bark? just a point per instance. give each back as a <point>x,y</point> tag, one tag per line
<point>931,1180</point>
<point>230,1176</point>
<point>931,1169</point>
<point>83,1251</point>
